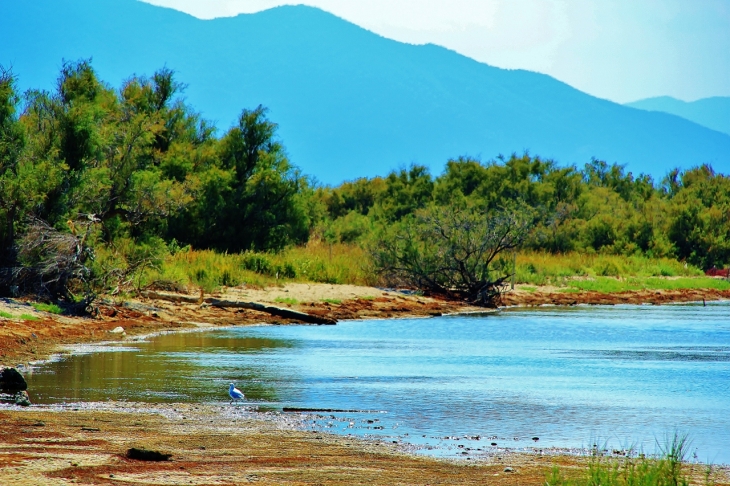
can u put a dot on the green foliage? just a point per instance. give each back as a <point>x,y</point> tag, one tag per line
<point>631,470</point>
<point>450,250</point>
<point>52,308</point>
<point>286,300</point>
<point>127,172</point>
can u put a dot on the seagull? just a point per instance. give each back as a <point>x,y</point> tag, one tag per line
<point>235,393</point>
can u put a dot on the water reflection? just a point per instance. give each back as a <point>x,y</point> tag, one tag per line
<point>194,366</point>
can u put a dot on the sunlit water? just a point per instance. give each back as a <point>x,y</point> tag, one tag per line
<point>623,376</point>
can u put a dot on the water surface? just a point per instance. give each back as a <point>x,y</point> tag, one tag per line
<point>620,376</point>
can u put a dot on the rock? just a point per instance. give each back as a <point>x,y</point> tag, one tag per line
<point>22,399</point>
<point>509,469</point>
<point>146,455</point>
<point>117,330</point>
<point>12,380</point>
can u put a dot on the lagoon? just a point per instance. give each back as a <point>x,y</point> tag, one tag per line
<point>614,376</point>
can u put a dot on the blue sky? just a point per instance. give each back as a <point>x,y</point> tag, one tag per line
<point>622,50</point>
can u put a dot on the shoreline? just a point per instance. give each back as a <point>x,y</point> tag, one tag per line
<point>28,341</point>
<point>285,448</point>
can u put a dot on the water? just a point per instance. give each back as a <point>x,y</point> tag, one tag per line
<point>622,376</point>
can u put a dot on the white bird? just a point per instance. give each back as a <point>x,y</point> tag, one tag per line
<point>235,393</point>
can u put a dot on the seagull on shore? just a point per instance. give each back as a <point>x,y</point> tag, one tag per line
<point>235,393</point>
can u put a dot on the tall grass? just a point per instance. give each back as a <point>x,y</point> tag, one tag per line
<point>541,268</point>
<point>315,262</point>
<point>350,264</point>
<point>666,470</point>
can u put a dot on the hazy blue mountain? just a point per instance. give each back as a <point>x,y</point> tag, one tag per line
<point>709,112</point>
<point>349,102</point>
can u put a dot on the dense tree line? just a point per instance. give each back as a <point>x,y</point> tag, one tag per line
<point>123,175</point>
<point>97,183</point>
<point>599,208</point>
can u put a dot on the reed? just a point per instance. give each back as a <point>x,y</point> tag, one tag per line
<point>342,263</point>
<point>315,262</point>
<point>632,470</point>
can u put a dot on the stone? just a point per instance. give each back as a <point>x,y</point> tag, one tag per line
<point>509,470</point>
<point>147,455</point>
<point>12,380</point>
<point>22,399</point>
<point>117,330</point>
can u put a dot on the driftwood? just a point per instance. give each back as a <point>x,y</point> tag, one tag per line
<point>275,311</point>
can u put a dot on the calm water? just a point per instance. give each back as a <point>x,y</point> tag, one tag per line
<point>624,376</point>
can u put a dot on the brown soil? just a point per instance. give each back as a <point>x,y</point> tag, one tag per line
<point>552,296</point>
<point>214,445</point>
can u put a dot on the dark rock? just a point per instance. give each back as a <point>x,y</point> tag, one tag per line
<point>11,380</point>
<point>535,439</point>
<point>508,470</point>
<point>21,398</point>
<point>145,455</point>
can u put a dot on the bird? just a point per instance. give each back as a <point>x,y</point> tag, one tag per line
<point>235,393</point>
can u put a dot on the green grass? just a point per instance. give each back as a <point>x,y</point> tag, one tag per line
<point>315,262</point>
<point>613,285</point>
<point>52,308</point>
<point>286,300</point>
<point>25,317</point>
<point>332,301</point>
<point>350,264</point>
<point>528,289</point>
<point>630,470</point>
<point>540,268</point>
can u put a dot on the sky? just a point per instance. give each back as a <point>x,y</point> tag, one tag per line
<point>621,50</point>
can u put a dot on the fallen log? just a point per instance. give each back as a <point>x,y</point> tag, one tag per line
<point>269,309</point>
<point>151,294</point>
<point>274,311</point>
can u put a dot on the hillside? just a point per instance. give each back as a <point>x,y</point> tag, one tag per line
<point>712,112</point>
<point>349,102</point>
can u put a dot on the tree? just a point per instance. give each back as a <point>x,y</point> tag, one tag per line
<point>251,197</point>
<point>448,250</point>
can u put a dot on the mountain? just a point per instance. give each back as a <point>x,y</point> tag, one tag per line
<point>712,112</point>
<point>349,103</point>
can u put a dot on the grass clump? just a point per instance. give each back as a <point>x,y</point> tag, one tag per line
<point>25,317</point>
<point>51,308</point>
<point>286,300</point>
<point>332,301</point>
<point>632,470</point>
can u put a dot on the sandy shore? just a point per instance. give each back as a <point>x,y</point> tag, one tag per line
<point>222,444</point>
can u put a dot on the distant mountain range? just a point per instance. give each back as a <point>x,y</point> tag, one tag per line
<point>349,103</point>
<point>709,112</point>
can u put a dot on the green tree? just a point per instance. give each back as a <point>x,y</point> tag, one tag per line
<point>448,250</point>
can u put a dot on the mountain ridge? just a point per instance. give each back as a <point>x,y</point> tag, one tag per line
<point>349,102</point>
<point>712,112</point>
